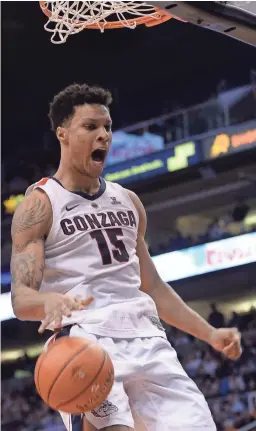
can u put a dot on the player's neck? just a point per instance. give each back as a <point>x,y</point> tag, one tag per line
<point>74,181</point>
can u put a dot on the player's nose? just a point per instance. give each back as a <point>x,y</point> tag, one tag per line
<point>103,135</point>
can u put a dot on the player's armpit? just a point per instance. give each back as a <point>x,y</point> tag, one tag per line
<point>30,225</point>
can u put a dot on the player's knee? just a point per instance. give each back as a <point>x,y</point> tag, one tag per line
<point>87,426</point>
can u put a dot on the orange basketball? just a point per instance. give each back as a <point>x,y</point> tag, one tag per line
<point>74,375</point>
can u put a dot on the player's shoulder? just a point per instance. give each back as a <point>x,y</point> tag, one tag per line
<point>131,196</point>
<point>33,214</point>
<point>35,195</point>
<point>35,202</point>
<point>123,190</point>
<point>136,202</point>
<point>135,198</point>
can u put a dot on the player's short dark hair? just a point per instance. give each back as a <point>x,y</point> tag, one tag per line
<point>63,104</point>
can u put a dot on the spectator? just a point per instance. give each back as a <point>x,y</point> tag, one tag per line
<point>216,318</point>
<point>215,232</point>
<point>237,406</point>
<point>209,365</point>
<point>224,386</point>
<point>236,382</point>
<point>193,364</point>
<point>234,321</point>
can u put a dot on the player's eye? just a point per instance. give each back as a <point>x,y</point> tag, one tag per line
<point>90,126</point>
<point>108,127</point>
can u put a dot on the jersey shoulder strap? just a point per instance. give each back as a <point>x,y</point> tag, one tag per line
<point>32,187</point>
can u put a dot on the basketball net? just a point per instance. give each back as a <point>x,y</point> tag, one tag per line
<point>70,17</point>
<point>232,18</point>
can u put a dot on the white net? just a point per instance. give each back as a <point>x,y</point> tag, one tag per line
<point>70,17</point>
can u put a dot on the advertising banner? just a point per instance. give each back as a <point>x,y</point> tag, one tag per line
<point>127,146</point>
<point>230,141</point>
<point>172,159</point>
<point>210,257</point>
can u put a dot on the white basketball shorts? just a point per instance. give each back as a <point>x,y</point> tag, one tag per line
<point>151,392</point>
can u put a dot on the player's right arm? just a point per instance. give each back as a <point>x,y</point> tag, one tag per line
<point>31,224</point>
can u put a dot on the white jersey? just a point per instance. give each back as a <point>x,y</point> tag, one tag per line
<point>91,251</point>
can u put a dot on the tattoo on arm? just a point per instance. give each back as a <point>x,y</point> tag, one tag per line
<point>28,228</point>
<point>29,217</point>
<point>25,270</point>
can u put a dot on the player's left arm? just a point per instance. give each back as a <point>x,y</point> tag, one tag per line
<point>171,308</point>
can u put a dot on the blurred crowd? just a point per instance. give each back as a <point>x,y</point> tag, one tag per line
<point>230,387</point>
<point>227,225</point>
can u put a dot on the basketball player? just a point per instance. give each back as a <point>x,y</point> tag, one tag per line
<point>80,263</point>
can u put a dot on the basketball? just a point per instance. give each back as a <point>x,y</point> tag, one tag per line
<point>74,375</point>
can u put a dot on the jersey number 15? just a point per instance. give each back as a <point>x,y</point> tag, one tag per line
<point>119,251</point>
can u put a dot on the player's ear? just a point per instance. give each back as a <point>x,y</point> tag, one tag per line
<point>61,134</point>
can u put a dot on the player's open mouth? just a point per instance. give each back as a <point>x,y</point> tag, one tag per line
<point>99,156</point>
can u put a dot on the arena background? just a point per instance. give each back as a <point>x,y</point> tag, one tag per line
<point>185,140</point>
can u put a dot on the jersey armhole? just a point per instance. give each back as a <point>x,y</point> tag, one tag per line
<point>32,187</point>
<point>133,204</point>
<point>29,190</point>
<point>39,186</point>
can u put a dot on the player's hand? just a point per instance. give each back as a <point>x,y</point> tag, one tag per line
<point>56,306</point>
<point>227,341</point>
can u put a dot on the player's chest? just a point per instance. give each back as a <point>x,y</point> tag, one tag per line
<point>88,222</point>
<point>83,217</point>
<point>109,234</point>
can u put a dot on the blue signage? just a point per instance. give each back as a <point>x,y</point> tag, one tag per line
<point>172,159</point>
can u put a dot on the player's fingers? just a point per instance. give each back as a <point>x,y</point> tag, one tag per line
<point>236,351</point>
<point>234,354</point>
<point>80,304</point>
<point>66,312</point>
<point>232,335</point>
<point>87,301</point>
<point>47,320</point>
<point>58,318</point>
<point>227,349</point>
<point>233,350</point>
<point>236,333</point>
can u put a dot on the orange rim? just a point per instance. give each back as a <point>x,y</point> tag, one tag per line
<point>147,20</point>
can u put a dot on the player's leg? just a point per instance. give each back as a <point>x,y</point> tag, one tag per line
<point>115,410</point>
<point>106,417</point>
<point>166,398</point>
<point>82,424</point>
<point>87,426</point>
